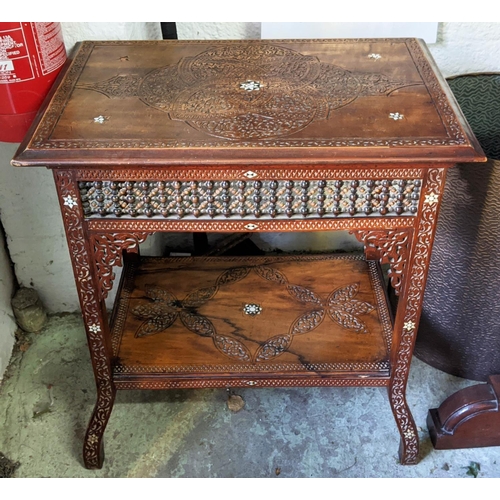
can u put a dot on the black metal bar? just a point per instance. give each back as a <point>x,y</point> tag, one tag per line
<point>168,31</point>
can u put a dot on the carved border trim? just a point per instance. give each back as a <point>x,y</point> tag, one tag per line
<point>436,91</point>
<point>253,225</point>
<point>285,172</point>
<point>241,382</point>
<point>120,310</point>
<point>46,126</point>
<point>383,306</point>
<point>382,366</point>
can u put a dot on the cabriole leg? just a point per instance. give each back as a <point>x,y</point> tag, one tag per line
<point>408,313</point>
<point>93,449</point>
<point>408,254</point>
<point>93,313</point>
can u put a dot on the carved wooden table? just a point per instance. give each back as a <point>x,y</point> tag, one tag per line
<point>250,136</point>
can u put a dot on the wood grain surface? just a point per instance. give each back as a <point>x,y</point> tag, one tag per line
<point>237,316</point>
<point>229,101</point>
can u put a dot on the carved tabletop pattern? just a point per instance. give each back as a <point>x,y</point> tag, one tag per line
<point>209,91</point>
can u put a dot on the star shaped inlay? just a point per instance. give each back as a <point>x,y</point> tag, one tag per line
<point>252,309</point>
<point>431,198</point>
<point>250,85</point>
<point>409,325</point>
<point>70,201</point>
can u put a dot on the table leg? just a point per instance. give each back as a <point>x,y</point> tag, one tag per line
<point>408,254</point>
<point>409,445</point>
<point>408,313</point>
<point>93,449</point>
<point>93,313</point>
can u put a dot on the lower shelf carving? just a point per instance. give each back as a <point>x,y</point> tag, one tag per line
<point>164,309</point>
<point>252,317</point>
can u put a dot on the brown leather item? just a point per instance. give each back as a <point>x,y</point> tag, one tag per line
<point>243,137</point>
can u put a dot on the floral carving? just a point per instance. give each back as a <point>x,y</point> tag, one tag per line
<point>408,317</point>
<point>273,347</point>
<point>303,294</point>
<point>163,309</point>
<point>345,309</point>
<point>107,249</point>
<point>93,316</point>
<point>295,90</point>
<point>271,274</point>
<point>232,347</point>
<point>390,247</point>
<point>308,322</point>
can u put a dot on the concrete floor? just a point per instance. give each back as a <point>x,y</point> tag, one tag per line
<point>48,394</point>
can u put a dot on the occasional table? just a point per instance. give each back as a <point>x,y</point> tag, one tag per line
<point>250,136</point>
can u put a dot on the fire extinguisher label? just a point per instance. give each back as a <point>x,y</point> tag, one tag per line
<point>15,65</point>
<point>6,65</point>
<point>50,46</point>
<point>18,64</point>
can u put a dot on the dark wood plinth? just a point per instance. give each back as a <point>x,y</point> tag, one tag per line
<point>470,418</point>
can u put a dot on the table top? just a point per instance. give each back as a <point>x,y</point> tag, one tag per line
<point>249,102</point>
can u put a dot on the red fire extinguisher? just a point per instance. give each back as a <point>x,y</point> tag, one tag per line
<point>31,56</point>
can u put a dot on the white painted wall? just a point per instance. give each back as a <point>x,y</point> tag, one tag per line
<point>467,48</point>
<point>461,47</point>
<point>77,32</point>
<point>218,31</point>
<point>28,204</point>
<point>7,324</point>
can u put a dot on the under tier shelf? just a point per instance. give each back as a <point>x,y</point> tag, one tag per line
<point>269,321</point>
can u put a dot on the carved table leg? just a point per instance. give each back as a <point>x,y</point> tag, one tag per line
<point>408,256</point>
<point>409,310</point>
<point>409,445</point>
<point>93,449</point>
<point>93,312</point>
